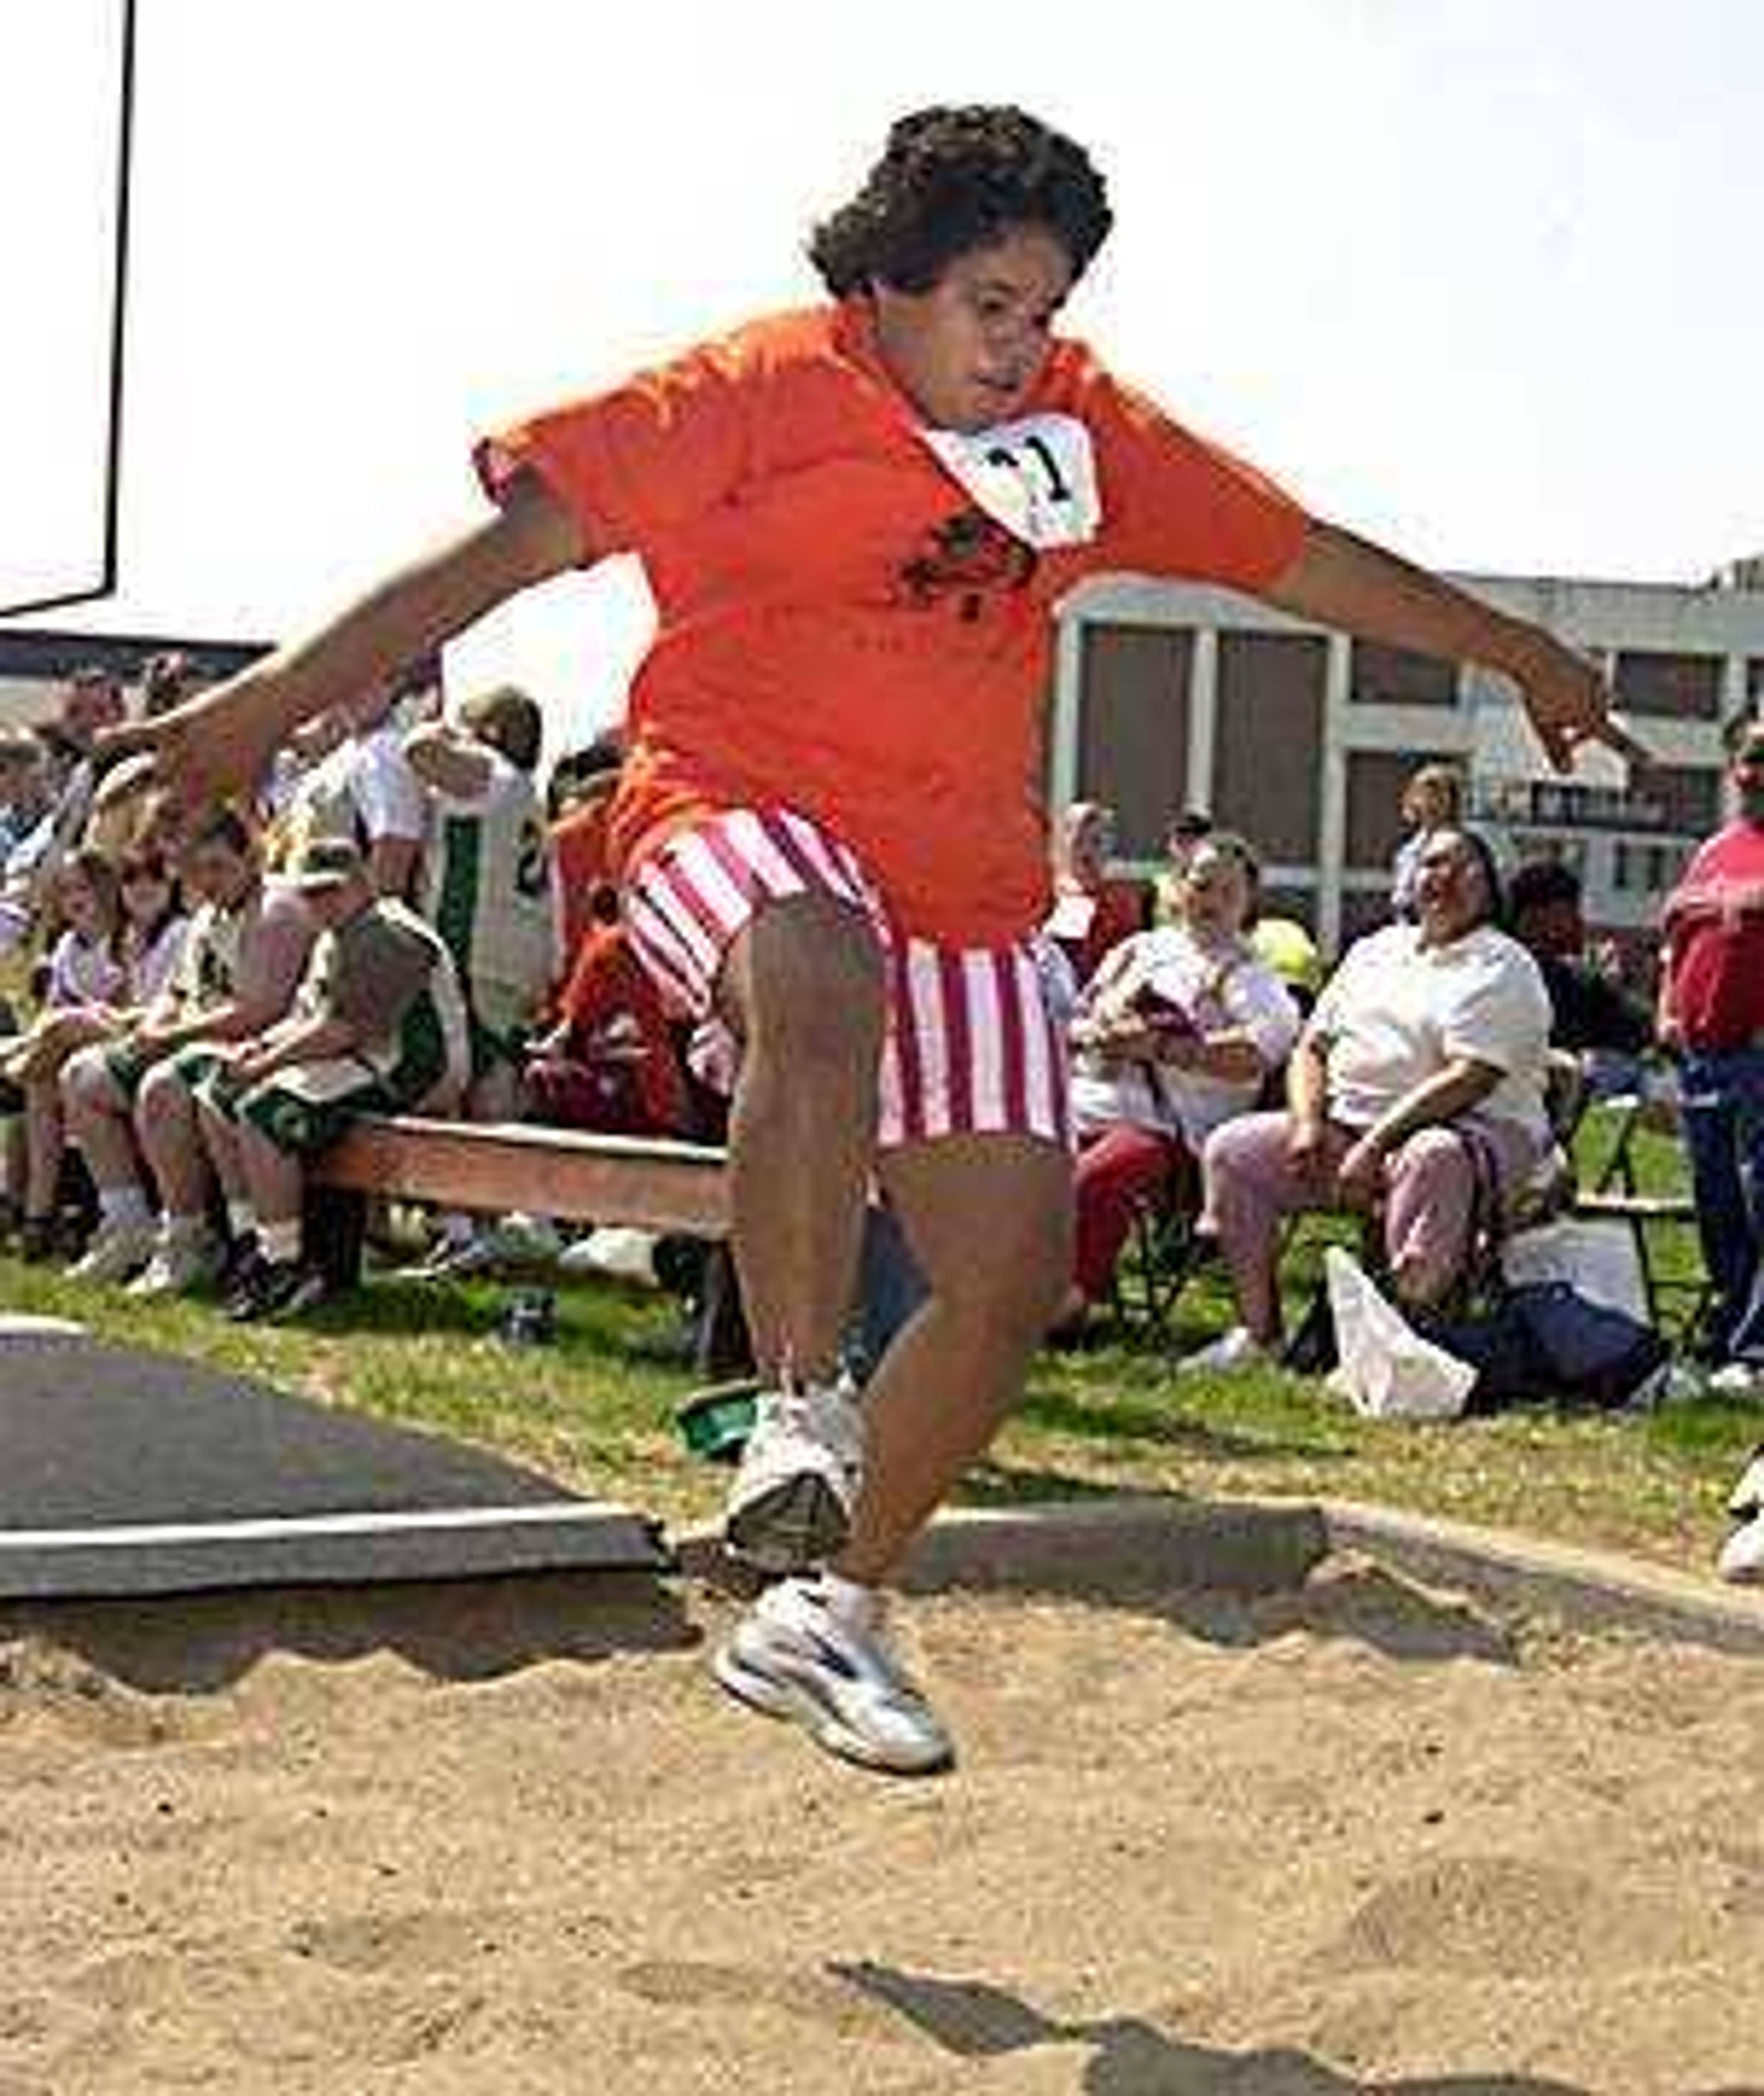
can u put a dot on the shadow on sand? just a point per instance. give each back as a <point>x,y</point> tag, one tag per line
<point>467,1631</point>
<point>1131,2057</point>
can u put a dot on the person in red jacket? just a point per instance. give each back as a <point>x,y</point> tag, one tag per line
<point>1712,1011</point>
<point>858,520</point>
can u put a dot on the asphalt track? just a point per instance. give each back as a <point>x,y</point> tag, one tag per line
<point>126,1472</point>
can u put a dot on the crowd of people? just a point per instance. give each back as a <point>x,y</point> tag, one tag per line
<point>398,919</point>
<point>402,919</point>
<point>1215,1066</point>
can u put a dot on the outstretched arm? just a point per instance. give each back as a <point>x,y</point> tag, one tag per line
<point>1343,581</point>
<point>222,741</point>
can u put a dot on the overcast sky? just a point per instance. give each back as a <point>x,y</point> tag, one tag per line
<point>1477,277</point>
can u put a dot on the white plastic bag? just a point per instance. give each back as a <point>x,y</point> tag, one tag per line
<point>1388,1371</point>
<point>1597,1256</point>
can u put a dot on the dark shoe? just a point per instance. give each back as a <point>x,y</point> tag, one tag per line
<point>239,1277</point>
<point>242,1259</point>
<point>39,1240</point>
<point>276,1291</point>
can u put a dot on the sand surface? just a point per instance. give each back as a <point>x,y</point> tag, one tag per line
<point>508,1839</point>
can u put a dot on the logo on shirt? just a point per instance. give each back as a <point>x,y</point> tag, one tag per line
<point>970,558</point>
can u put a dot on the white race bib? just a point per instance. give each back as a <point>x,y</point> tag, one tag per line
<point>1037,476</point>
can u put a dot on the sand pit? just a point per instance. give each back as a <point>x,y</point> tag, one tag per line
<point>508,1839</point>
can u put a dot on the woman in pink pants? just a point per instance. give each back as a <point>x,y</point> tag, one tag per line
<point>1426,1029</point>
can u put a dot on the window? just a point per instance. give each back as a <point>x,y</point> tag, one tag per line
<point>1134,729</point>
<point>1395,676</point>
<point>1682,687</point>
<point>1269,739</point>
<point>1645,869</point>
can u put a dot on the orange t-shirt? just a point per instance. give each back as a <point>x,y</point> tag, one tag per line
<point>842,629</point>
<point>583,862</point>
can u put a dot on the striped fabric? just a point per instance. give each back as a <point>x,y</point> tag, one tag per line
<point>971,1047</point>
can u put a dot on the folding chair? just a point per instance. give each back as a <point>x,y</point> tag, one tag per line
<point>1615,1193</point>
<point>1159,1258</point>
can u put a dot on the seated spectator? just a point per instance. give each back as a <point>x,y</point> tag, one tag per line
<point>364,789</point>
<point>1286,946</point>
<point>1176,1033</point>
<point>379,1026</point>
<point>130,1104</point>
<point>1186,830</point>
<point>1590,1014</point>
<point>487,887</point>
<point>1433,801</point>
<point>167,679</point>
<point>1286,949</point>
<point>1421,1072</point>
<point>578,798</point>
<point>25,795</point>
<point>92,702</point>
<point>610,1065</point>
<point>85,984</point>
<point>1093,910</point>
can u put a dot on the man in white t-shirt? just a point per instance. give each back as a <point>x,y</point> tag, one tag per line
<point>1426,1056</point>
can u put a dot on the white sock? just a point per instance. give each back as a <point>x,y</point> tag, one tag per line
<point>242,1219</point>
<point>123,1207</point>
<point>458,1228</point>
<point>279,1242</point>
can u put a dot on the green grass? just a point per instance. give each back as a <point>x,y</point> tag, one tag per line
<point>595,1409</point>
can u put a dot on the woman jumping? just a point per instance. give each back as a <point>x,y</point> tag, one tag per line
<point>857,519</point>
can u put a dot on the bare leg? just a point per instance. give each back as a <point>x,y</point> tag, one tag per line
<point>100,1124</point>
<point>44,1145</point>
<point>219,1140</point>
<point>274,1186</point>
<point>989,1221</point>
<point>170,1136</point>
<point>802,985</point>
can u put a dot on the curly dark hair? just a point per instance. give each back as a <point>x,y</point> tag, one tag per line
<point>952,180</point>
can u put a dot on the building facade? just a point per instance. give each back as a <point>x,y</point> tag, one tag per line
<point>35,663</point>
<point>1171,696</point>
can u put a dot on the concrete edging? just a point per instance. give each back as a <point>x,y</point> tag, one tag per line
<point>1090,1548</point>
<point>1144,1542</point>
<point>1600,1587</point>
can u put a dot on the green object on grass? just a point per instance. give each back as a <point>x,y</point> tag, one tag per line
<point>715,1423</point>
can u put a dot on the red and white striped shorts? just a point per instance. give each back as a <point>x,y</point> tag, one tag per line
<point>971,1047</point>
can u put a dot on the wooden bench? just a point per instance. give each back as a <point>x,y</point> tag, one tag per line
<point>490,1168</point>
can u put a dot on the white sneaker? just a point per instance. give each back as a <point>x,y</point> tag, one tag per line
<point>1236,1350</point>
<point>1746,1497</point>
<point>615,1252</point>
<point>790,1509</point>
<point>454,1259</point>
<point>117,1250</point>
<point>801,1654</point>
<point>1737,1379</point>
<point>1742,1555</point>
<point>180,1266</point>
